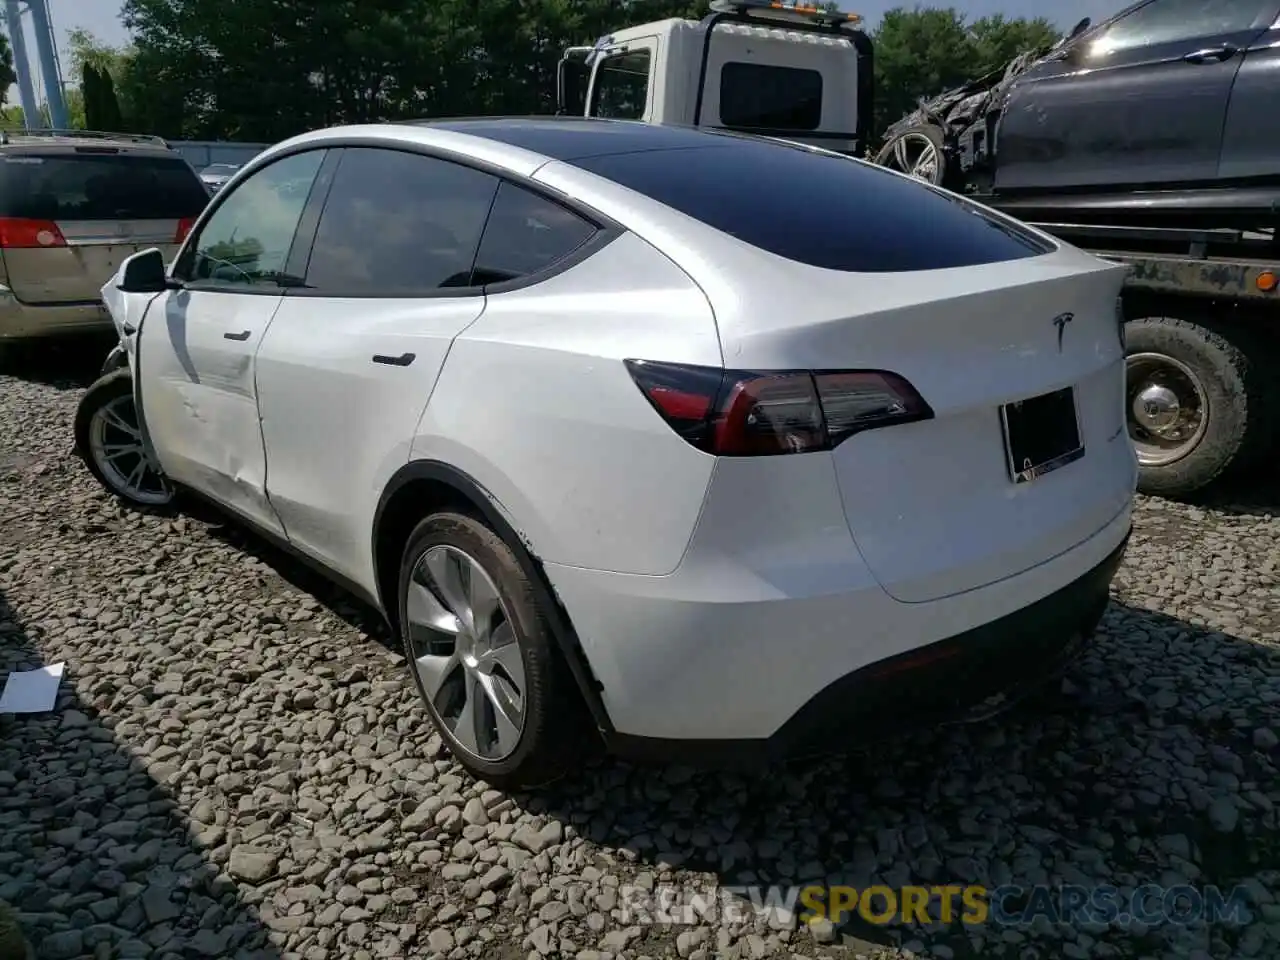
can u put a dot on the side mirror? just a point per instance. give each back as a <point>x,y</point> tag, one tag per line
<point>571,87</point>
<point>144,273</point>
<point>1080,28</point>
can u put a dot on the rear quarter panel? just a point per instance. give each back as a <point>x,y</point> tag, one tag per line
<point>535,403</point>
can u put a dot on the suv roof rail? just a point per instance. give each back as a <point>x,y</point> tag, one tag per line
<point>147,138</point>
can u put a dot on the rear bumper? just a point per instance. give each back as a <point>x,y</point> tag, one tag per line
<point>965,677</point>
<point>21,321</point>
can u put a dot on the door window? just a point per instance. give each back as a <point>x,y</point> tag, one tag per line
<point>622,86</point>
<point>527,234</point>
<point>247,239</point>
<point>1169,21</point>
<point>399,224</point>
<point>776,98</point>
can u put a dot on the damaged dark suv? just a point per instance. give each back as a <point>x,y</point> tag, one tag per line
<point>1167,109</point>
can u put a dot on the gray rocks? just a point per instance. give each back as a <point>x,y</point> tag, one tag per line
<point>62,946</point>
<point>1223,814</point>
<point>253,864</point>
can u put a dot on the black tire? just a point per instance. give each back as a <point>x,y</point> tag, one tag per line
<point>1239,404</point>
<point>114,388</point>
<point>934,135</point>
<point>554,732</point>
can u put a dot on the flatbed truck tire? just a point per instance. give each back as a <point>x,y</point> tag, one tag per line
<point>1225,363</point>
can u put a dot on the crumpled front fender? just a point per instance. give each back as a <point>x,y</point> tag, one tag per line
<point>128,313</point>
<point>117,359</point>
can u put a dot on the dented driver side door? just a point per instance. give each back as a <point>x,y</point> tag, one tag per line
<point>199,396</point>
<point>198,346</point>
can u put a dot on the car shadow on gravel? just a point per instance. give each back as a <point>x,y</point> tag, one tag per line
<point>1111,777</point>
<point>1257,495</point>
<point>96,855</point>
<point>66,362</point>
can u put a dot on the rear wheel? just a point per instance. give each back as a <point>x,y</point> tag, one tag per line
<point>919,152</point>
<point>483,656</point>
<point>1194,404</point>
<point>109,438</point>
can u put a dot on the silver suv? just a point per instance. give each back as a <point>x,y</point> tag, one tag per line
<point>73,205</point>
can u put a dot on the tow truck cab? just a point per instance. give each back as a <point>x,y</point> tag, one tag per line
<point>766,67</point>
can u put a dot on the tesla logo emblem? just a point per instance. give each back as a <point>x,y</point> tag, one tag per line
<point>1061,321</point>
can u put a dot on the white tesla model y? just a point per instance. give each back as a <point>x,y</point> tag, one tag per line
<point>704,442</point>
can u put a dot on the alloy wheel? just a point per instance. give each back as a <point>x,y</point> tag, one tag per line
<point>466,653</point>
<point>915,154</point>
<point>115,443</point>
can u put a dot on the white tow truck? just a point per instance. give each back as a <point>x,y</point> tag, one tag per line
<point>1202,398</point>
<point>765,67</point>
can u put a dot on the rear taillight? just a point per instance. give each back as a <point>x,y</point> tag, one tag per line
<point>17,233</point>
<point>737,413</point>
<point>184,227</point>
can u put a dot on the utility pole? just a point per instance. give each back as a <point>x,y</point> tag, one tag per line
<point>21,65</point>
<point>48,61</point>
<point>43,27</point>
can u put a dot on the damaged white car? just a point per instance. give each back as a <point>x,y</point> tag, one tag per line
<point>615,454</point>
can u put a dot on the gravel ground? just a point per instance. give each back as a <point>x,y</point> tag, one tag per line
<point>237,765</point>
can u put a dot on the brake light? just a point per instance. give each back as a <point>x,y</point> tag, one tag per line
<point>184,227</point>
<point>737,413</point>
<point>18,233</point>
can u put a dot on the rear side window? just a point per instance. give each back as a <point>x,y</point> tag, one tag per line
<point>98,186</point>
<point>527,234</point>
<point>399,224</point>
<point>775,98</point>
<point>819,209</point>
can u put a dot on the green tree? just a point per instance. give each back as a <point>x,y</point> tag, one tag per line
<point>74,101</point>
<point>8,76</point>
<point>918,53</point>
<point>100,69</point>
<point>921,52</point>
<point>265,69</point>
<point>997,40</point>
<point>101,108</point>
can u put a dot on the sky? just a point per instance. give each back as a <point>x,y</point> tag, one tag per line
<point>102,18</point>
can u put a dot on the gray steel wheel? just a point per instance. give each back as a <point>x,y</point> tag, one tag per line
<point>1167,408</point>
<point>917,155</point>
<point>115,444</point>
<point>466,653</point>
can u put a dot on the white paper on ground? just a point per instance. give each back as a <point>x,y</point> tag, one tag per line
<point>31,691</point>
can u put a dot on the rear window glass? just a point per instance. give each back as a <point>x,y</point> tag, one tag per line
<point>98,187</point>
<point>774,98</point>
<point>819,209</point>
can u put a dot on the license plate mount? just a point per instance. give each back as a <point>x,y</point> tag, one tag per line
<point>1041,434</point>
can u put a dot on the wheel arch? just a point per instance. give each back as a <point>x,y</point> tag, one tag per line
<point>422,487</point>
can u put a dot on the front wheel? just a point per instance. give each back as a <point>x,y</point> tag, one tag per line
<point>483,656</point>
<point>109,438</point>
<point>919,152</point>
